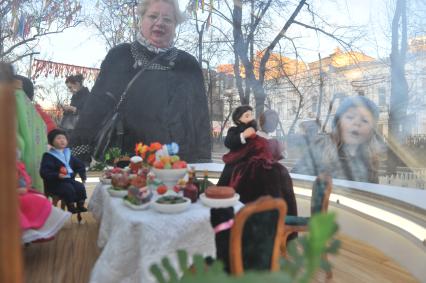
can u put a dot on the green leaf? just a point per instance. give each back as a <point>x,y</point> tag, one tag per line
<point>158,274</point>
<point>170,270</point>
<point>199,264</point>
<point>183,260</point>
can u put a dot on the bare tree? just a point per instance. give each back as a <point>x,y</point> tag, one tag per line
<point>52,94</point>
<point>24,22</point>
<point>116,21</point>
<point>252,24</point>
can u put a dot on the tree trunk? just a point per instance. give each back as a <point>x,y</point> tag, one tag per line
<point>399,89</point>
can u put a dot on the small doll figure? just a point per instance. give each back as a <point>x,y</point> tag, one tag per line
<point>245,128</point>
<point>268,123</point>
<point>58,169</point>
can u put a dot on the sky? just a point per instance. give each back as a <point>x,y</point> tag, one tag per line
<point>79,46</point>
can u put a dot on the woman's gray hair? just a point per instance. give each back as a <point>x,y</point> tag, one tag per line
<point>144,5</point>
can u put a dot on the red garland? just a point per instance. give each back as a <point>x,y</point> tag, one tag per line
<point>41,67</point>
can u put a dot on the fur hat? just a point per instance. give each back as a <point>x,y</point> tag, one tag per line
<point>355,101</point>
<point>53,133</point>
<point>239,111</point>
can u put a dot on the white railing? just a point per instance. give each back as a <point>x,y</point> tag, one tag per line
<point>416,178</point>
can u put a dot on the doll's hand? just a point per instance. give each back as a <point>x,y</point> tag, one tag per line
<point>62,176</point>
<point>22,190</point>
<point>249,132</point>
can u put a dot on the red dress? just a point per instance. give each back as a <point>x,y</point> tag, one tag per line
<point>257,172</point>
<point>34,207</point>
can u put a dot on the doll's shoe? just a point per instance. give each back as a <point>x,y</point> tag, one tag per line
<point>80,207</point>
<point>71,208</point>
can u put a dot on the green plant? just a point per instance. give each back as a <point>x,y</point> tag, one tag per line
<point>112,154</point>
<point>301,266</point>
<point>98,166</point>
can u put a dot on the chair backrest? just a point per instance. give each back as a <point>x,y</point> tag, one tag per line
<point>321,191</point>
<point>256,235</point>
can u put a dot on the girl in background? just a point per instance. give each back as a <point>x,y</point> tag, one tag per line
<point>351,151</point>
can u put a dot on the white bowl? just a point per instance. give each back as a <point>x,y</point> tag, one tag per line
<point>105,181</point>
<point>136,207</point>
<point>172,208</point>
<point>217,203</point>
<point>169,176</point>
<point>117,193</point>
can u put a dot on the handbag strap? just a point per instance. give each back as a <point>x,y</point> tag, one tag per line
<point>143,69</point>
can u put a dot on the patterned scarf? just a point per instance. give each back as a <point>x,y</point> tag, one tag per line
<point>143,52</point>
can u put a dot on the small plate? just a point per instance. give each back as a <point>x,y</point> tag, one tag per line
<point>217,203</point>
<point>136,207</point>
<point>117,193</point>
<point>172,208</point>
<point>105,181</point>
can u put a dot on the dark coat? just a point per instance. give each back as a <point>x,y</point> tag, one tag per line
<point>233,142</point>
<point>68,189</point>
<point>79,99</point>
<point>162,105</point>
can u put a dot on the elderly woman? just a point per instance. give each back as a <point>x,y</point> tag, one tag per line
<point>165,103</point>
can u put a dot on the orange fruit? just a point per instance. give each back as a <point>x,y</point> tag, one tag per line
<point>161,189</point>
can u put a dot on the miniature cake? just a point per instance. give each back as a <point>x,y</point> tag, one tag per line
<point>135,164</point>
<point>218,192</point>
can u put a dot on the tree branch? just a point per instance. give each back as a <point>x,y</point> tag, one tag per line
<point>274,42</point>
<point>36,36</point>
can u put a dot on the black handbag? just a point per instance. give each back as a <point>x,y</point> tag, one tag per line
<point>68,122</point>
<point>112,130</point>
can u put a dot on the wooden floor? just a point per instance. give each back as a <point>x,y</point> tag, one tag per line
<point>70,257</point>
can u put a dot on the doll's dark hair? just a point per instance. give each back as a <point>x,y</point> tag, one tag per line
<point>75,79</point>
<point>27,86</point>
<point>53,133</point>
<point>239,111</point>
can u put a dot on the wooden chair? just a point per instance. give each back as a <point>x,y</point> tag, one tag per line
<point>256,236</point>
<point>55,201</point>
<point>321,191</point>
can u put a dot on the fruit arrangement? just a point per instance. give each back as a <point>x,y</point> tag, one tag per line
<point>160,156</point>
<point>120,181</point>
<point>170,162</point>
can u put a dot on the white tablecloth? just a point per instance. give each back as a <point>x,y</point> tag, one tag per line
<point>133,240</point>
